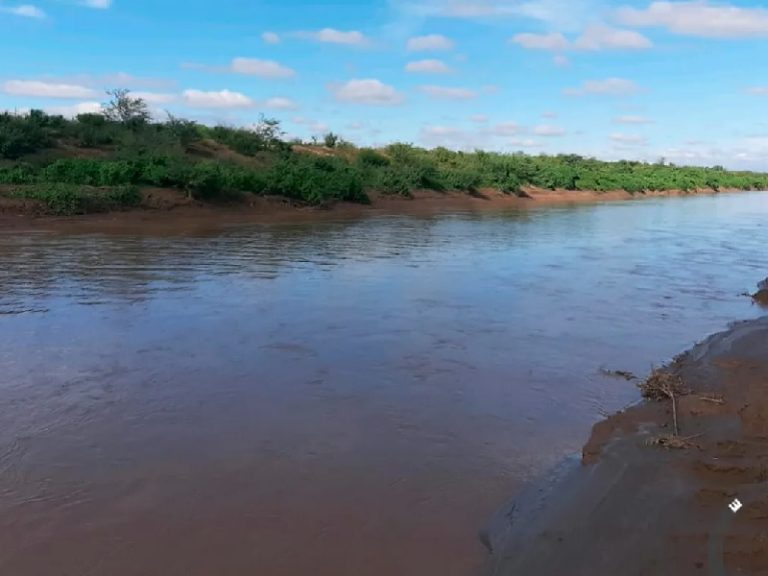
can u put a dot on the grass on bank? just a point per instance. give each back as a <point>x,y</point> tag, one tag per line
<point>64,161</point>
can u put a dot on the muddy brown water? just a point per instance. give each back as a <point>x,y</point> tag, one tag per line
<point>332,398</point>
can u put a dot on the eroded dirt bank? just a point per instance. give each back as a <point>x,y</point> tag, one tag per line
<point>162,208</point>
<point>635,507</point>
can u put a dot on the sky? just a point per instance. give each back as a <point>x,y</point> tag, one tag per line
<point>682,80</point>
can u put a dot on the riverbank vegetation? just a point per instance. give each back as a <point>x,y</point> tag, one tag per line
<point>99,161</point>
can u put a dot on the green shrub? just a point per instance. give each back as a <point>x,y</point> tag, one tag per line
<point>370,158</point>
<point>68,200</point>
<point>20,135</point>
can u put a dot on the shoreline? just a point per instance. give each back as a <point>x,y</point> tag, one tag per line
<point>162,206</point>
<point>634,506</point>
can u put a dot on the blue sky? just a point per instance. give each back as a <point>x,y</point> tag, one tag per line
<point>686,80</point>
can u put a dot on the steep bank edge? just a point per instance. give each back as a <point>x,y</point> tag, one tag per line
<point>639,510</point>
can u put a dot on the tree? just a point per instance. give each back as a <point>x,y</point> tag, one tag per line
<point>122,107</point>
<point>331,140</point>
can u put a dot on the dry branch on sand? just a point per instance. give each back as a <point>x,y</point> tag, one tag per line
<point>661,385</point>
<point>670,441</point>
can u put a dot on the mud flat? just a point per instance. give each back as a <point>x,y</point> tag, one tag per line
<point>641,501</point>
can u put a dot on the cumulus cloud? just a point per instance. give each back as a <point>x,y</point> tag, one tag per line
<point>553,41</point>
<point>366,91</point>
<point>260,68</point>
<point>759,90</point>
<point>270,38</point>
<point>447,93</point>
<point>596,37</point>
<point>332,36</point>
<point>24,10</point>
<point>506,129</point>
<point>479,118</point>
<point>280,103</point>
<point>101,4</point>
<point>155,97</point>
<point>549,131</point>
<point>427,67</point>
<point>629,119</point>
<point>607,87</point>
<point>699,18</point>
<point>430,42</point>
<point>220,99</point>
<point>629,139</point>
<point>74,109</point>
<point>556,14</point>
<point>37,88</point>
<point>560,61</point>
<point>549,114</point>
<point>525,143</point>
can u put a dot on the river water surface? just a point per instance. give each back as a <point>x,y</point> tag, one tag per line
<point>337,398</point>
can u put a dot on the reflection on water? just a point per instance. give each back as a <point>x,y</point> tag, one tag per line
<point>334,398</point>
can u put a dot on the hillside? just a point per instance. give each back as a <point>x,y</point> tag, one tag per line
<point>100,162</point>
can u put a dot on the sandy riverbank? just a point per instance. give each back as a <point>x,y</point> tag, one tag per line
<point>636,508</point>
<point>166,208</point>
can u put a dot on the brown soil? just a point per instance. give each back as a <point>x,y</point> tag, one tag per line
<point>164,205</point>
<point>646,502</point>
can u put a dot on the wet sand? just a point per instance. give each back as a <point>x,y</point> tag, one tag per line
<point>634,508</point>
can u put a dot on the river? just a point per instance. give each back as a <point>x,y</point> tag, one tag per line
<point>336,398</point>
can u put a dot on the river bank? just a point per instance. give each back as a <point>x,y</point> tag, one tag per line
<point>164,207</point>
<point>643,501</point>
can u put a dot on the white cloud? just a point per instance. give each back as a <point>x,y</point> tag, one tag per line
<point>553,41</point>
<point>101,4</point>
<point>632,120</point>
<point>427,67</point>
<point>24,10</point>
<point>318,127</point>
<point>446,93</point>
<point>280,103</point>
<point>155,97</point>
<point>366,91</point>
<point>549,114</point>
<point>595,38</point>
<point>759,90</point>
<point>220,99</point>
<point>598,37</point>
<point>332,36</point>
<point>261,68</point>
<point>556,14</point>
<point>699,18</point>
<point>270,38</point>
<point>526,143</point>
<point>629,139</point>
<point>36,88</point>
<point>73,110</point>
<point>430,42</point>
<point>561,61</point>
<point>549,131</point>
<point>479,118</point>
<point>607,87</point>
<point>506,129</point>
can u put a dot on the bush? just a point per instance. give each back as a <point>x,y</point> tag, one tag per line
<point>20,135</point>
<point>316,180</point>
<point>370,158</point>
<point>68,200</point>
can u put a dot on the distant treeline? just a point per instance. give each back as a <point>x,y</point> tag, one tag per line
<point>51,157</point>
